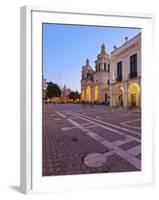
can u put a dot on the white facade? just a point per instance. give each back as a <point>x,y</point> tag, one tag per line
<point>126,90</point>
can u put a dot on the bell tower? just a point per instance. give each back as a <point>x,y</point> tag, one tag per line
<point>103,61</point>
<point>102,73</point>
<point>87,79</point>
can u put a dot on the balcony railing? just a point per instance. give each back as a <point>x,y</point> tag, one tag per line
<point>132,75</point>
<point>119,78</point>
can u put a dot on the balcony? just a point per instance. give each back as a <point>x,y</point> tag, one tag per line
<point>119,78</point>
<point>132,75</point>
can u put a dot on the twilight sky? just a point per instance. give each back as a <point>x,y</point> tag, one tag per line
<point>66,48</point>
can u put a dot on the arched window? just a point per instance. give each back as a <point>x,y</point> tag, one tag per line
<point>96,68</point>
<point>88,93</point>
<point>99,67</point>
<point>105,67</point>
<point>133,66</point>
<point>96,92</point>
<point>82,95</point>
<point>87,75</point>
<point>108,67</point>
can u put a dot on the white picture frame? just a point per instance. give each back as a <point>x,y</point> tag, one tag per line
<point>31,102</point>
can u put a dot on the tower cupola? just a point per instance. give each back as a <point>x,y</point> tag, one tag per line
<point>103,49</point>
<point>87,62</point>
<point>102,64</point>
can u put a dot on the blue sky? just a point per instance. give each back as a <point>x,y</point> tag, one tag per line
<point>66,48</point>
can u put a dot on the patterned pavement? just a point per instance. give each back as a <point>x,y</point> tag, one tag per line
<point>83,139</point>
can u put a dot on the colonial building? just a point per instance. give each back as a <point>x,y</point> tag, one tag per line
<point>116,78</point>
<point>125,74</point>
<point>65,94</point>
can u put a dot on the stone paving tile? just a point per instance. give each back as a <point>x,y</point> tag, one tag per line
<point>106,134</point>
<point>129,145</point>
<point>138,156</point>
<point>120,119</point>
<point>117,164</point>
<point>80,121</point>
<point>135,123</point>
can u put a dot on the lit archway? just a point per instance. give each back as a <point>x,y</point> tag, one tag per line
<point>88,93</point>
<point>134,95</point>
<point>120,96</point>
<point>106,97</point>
<point>96,93</point>
<point>82,95</point>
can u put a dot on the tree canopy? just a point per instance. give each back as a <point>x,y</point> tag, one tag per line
<point>53,90</point>
<point>74,95</point>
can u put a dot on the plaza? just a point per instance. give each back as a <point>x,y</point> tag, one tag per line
<point>85,139</point>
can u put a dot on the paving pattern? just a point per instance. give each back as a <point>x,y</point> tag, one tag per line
<point>83,139</point>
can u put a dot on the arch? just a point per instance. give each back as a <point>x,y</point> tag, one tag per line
<point>88,93</point>
<point>105,97</point>
<point>82,95</point>
<point>96,93</point>
<point>134,95</point>
<point>119,96</point>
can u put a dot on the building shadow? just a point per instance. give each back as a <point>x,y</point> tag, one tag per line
<point>15,187</point>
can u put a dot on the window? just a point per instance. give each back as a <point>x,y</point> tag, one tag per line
<point>96,67</point>
<point>119,71</point>
<point>87,75</point>
<point>104,66</point>
<point>108,67</point>
<point>133,66</point>
<point>92,79</point>
<point>99,67</point>
<point>108,82</point>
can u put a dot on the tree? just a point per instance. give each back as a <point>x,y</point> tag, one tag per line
<point>74,95</point>
<point>53,90</point>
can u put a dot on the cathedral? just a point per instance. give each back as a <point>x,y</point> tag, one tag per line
<point>116,78</point>
<point>95,83</point>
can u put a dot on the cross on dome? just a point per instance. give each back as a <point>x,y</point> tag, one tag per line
<point>87,62</point>
<point>103,48</point>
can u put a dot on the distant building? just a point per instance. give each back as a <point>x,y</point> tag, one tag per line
<point>65,94</point>
<point>44,87</point>
<point>116,79</point>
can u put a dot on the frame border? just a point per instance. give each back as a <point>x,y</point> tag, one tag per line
<point>26,175</point>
